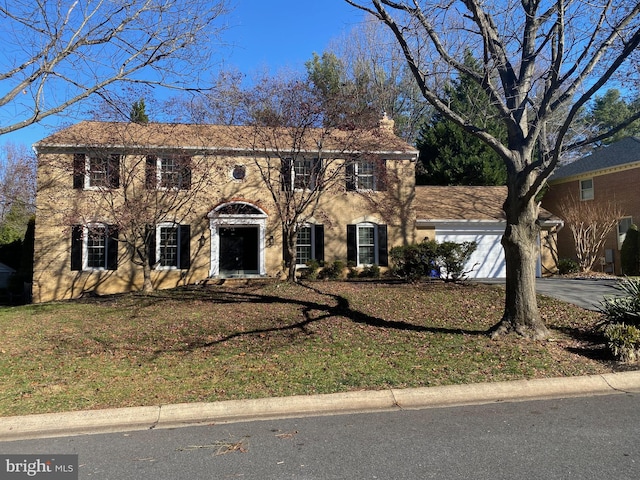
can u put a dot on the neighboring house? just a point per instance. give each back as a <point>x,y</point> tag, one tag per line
<point>465,213</point>
<point>212,216</point>
<point>610,174</point>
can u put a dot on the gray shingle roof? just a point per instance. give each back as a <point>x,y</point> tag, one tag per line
<point>617,154</point>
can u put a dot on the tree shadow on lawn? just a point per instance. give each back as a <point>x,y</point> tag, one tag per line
<point>310,309</point>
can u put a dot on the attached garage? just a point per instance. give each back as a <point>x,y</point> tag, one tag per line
<point>461,214</point>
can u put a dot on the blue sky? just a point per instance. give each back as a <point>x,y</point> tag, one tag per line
<point>273,34</point>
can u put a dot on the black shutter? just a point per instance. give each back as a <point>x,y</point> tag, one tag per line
<point>150,238</point>
<point>285,174</point>
<point>184,235</point>
<point>113,171</point>
<point>112,247</point>
<point>76,247</point>
<point>350,174</point>
<point>285,250</point>
<point>383,253</point>
<point>150,174</point>
<point>319,242</point>
<point>185,173</point>
<point>381,175</point>
<point>352,247</point>
<point>79,168</point>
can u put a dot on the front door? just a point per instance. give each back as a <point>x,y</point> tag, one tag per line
<point>238,250</point>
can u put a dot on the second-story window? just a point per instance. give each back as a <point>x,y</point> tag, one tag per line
<point>366,174</point>
<point>300,173</point>
<point>586,189</point>
<point>98,170</point>
<point>168,172</point>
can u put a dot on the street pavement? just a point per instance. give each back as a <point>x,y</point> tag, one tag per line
<point>586,438</point>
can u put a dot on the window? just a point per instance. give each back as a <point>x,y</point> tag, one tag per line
<point>309,244</point>
<point>367,244</point>
<point>586,189</point>
<point>366,174</point>
<point>239,172</point>
<point>96,171</point>
<point>170,247</point>
<point>623,226</point>
<point>168,172</point>
<point>302,173</point>
<point>94,247</point>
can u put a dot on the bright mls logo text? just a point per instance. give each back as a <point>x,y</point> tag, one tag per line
<point>59,467</point>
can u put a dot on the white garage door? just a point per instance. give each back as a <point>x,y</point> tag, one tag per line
<point>488,259</point>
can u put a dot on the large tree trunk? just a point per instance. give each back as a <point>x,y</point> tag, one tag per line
<point>520,242</point>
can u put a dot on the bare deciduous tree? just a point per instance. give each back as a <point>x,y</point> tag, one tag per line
<point>17,190</point>
<point>59,52</point>
<point>539,59</point>
<point>590,223</point>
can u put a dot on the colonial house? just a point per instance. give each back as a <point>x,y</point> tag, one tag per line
<point>124,206</point>
<point>610,175</point>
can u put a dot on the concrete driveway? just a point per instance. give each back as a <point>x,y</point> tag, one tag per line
<point>586,293</point>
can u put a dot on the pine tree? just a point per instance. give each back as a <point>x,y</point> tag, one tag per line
<point>138,113</point>
<point>451,156</point>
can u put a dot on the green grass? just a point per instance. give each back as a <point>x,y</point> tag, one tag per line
<point>217,343</point>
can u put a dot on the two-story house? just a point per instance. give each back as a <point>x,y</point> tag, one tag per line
<point>123,206</point>
<point>610,175</point>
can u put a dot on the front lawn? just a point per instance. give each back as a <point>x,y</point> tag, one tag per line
<point>219,343</point>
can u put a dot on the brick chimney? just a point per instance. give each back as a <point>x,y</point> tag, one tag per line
<point>386,124</point>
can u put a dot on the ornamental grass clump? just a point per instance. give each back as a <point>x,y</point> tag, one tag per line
<point>621,326</point>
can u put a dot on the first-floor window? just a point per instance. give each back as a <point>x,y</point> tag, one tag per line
<point>171,246</point>
<point>367,244</point>
<point>309,244</point>
<point>94,247</point>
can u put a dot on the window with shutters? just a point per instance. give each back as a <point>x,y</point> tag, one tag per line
<point>94,247</point>
<point>172,245</point>
<point>96,171</point>
<point>168,172</point>
<point>366,174</point>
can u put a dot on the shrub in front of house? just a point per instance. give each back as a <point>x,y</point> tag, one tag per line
<point>429,259</point>
<point>621,324</point>
<point>414,262</point>
<point>567,266</point>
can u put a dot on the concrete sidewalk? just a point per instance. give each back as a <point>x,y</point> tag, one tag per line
<point>190,414</point>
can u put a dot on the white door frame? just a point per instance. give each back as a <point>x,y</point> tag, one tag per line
<point>218,220</point>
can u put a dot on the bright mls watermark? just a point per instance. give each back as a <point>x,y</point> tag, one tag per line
<point>50,467</point>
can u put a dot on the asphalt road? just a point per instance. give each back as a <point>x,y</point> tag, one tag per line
<point>578,438</point>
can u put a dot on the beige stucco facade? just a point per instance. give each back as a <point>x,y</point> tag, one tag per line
<point>234,198</point>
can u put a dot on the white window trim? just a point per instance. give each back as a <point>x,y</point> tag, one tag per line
<point>376,259</point>
<point>586,193</point>
<point>159,175</point>
<point>313,180</point>
<point>159,227</point>
<point>312,239</point>
<point>85,246</point>
<point>356,176</point>
<point>87,174</point>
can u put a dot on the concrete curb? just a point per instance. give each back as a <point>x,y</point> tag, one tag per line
<point>190,414</point>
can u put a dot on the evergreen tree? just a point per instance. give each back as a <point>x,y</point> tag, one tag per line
<point>138,112</point>
<point>610,110</point>
<point>630,252</point>
<point>451,156</point>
